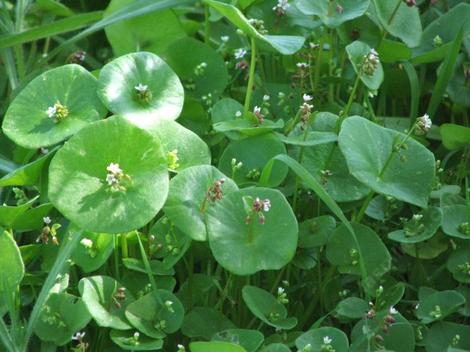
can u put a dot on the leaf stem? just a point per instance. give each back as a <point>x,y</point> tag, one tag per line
<point>251,78</point>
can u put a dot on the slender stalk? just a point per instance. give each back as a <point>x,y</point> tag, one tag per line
<point>318,61</point>
<point>345,112</point>
<point>146,262</point>
<point>395,10</point>
<point>251,78</point>
<point>5,337</point>
<point>124,248</point>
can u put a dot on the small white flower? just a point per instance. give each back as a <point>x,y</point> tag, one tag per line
<point>373,55</point>
<point>257,110</point>
<point>240,53</point>
<point>168,303</point>
<point>302,65</point>
<point>426,122</point>
<point>238,114</point>
<point>392,310</point>
<point>266,97</point>
<point>180,347</point>
<point>327,340</point>
<point>136,335</point>
<point>417,217</point>
<point>78,336</point>
<point>280,290</point>
<point>307,98</point>
<point>203,64</point>
<point>114,168</point>
<point>51,111</point>
<point>86,242</point>
<point>47,220</point>
<point>266,205</point>
<point>225,38</point>
<point>44,150</point>
<point>111,179</point>
<point>282,5</point>
<point>141,88</point>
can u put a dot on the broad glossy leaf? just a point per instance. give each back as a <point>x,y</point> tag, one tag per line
<point>415,231</point>
<point>216,346</point>
<point>357,51</point>
<point>99,293</point>
<point>454,136</point>
<point>126,340</point>
<point>284,44</point>
<point>156,314</point>
<point>156,266</point>
<point>457,88</point>
<point>456,221</point>
<point>334,13</point>
<point>439,305</point>
<point>204,323</point>
<point>61,317</point>
<point>151,32</point>
<point>267,308</point>
<point>93,250</point>
<point>310,139</point>
<point>409,175</point>
<point>403,23</point>
<point>393,51</point>
<point>250,340</point>
<point>352,307</point>
<point>188,201</point>
<point>316,232</point>
<point>442,334</point>
<point>239,128</point>
<point>9,214</point>
<point>254,153</point>
<point>276,347</point>
<point>11,263</point>
<point>316,339</point>
<point>245,248</point>
<point>117,89</point>
<point>32,219</point>
<point>77,177</point>
<point>429,249</point>
<point>27,121</point>
<point>459,265</point>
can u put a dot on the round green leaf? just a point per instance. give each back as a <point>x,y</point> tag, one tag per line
<point>459,265</point>
<point>454,136</point>
<point>247,248</point>
<point>11,263</point>
<point>254,153</point>
<point>442,334</point>
<point>429,249</point>
<point>438,305</point>
<point>352,307</point>
<point>250,340</point>
<point>408,176</point>
<point>117,89</point>
<point>61,317</point>
<point>128,342</point>
<point>156,314</point>
<point>217,346</point>
<point>316,338</point>
<point>415,230</point>
<point>267,308</point>
<point>27,121</point>
<point>101,297</point>
<point>456,221</point>
<point>93,250</point>
<point>335,13</point>
<point>315,232</point>
<point>205,322</point>
<point>77,177</point>
<point>188,201</point>
<point>357,51</point>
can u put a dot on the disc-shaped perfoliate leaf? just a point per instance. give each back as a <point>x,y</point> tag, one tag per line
<point>284,44</point>
<point>343,252</point>
<point>357,52</point>
<point>250,340</point>
<point>267,308</point>
<point>215,346</point>
<point>78,172</point>
<point>106,300</point>
<point>93,251</point>
<point>254,153</point>
<point>244,245</point>
<point>156,314</point>
<point>61,317</point>
<point>407,176</point>
<point>142,88</point>
<point>456,221</point>
<point>400,20</point>
<point>420,227</point>
<point>27,120</point>
<point>11,263</point>
<point>334,13</point>
<point>128,342</point>
<point>317,338</point>
<point>190,196</point>
<point>439,305</point>
<point>441,335</point>
<point>459,265</point>
<point>183,148</point>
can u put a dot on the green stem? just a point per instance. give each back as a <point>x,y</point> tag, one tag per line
<point>345,112</point>
<point>251,79</point>
<point>148,269</point>
<point>318,61</point>
<point>124,248</point>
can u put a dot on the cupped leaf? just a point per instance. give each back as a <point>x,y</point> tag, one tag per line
<point>400,20</point>
<point>106,300</point>
<point>78,172</point>
<point>156,314</point>
<point>439,305</point>
<point>192,195</point>
<point>216,346</point>
<point>456,221</point>
<point>284,44</point>
<point>182,147</point>
<point>406,174</point>
<point>334,13</point>
<point>357,53</point>
<point>420,227</point>
<point>205,322</point>
<point>142,88</point>
<point>128,342</point>
<point>250,340</point>
<point>454,136</point>
<point>253,153</point>
<point>241,242</point>
<point>267,308</point>
<point>93,251</point>
<point>318,338</point>
<point>69,87</point>
<point>459,265</point>
<point>61,317</point>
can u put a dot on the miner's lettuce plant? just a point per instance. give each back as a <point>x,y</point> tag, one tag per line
<point>244,176</point>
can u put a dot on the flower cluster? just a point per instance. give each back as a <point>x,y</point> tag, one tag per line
<point>258,25</point>
<point>326,346</point>
<point>258,207</point>
<point>143,93</point>
<point>423,124</point>
<point>306,108</point>
<point>371,62</point>
<point>200,69</point>
<point>172,159</point>
<point>115,176</point>
<point>82,345</point>
<point>281,7</point>
<point>49,230</point>
<point>57,112</point>
<point>215,192</point>
<point>119,297</point>
<point>258,114</point>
